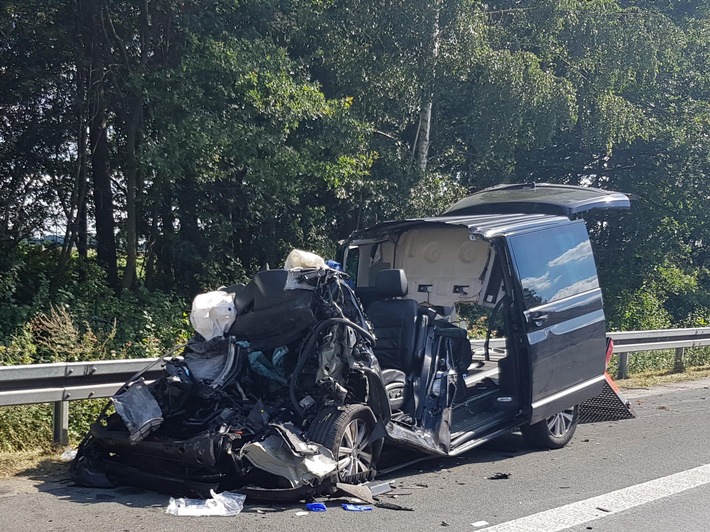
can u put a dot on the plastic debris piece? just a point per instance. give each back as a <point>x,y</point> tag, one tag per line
<point>479,524</point>
<point>225,504</point>
<point>378,488</point>
<point>356,507</point>
<point>68,455</point>
<point>499,476</point>
<point>359,491</point>
<point>392,506</point>
<point>316,507</point>
<point>301,513</point>
<point>444,523</point>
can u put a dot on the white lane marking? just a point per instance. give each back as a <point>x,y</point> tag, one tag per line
<point>578,513</point>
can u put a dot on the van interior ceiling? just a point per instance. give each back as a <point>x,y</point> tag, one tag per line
<point>444,264</point>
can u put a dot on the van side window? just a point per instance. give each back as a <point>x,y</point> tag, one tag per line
<point>352,261</point>
<point>554,263</point>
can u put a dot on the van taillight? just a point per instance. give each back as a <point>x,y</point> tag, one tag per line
<point>609,351</point>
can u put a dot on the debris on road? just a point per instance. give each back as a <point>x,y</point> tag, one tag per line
<point>316,507</point>
<point>479,524</point>
<point>378,488</point>
<point>224,504</point>
<point>499,476</point>
<point>392,506</point>
<point>357,491</point>
<point>356,507</point>
<point>68,455</point>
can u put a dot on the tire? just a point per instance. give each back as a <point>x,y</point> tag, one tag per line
<point>553,432</point>
<point>347,433</point>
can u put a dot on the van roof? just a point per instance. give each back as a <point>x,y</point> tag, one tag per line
<point>542,198</point>
<point>486,226</point>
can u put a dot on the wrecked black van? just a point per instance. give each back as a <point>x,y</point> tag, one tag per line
<point>317,369</point>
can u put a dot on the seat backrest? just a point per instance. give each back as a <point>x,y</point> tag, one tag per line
<point>397,322</point>
<point>391,283</point>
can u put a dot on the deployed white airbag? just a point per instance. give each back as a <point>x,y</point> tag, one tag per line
<point>213,313</point>
<point>303,259</point>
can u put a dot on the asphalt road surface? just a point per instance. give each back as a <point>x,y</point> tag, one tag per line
<point>647,474</point>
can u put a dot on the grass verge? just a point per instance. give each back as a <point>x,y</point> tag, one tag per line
<point>649,379</point>
<point>36,463</point>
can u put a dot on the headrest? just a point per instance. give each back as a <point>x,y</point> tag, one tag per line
<point>391,283</point>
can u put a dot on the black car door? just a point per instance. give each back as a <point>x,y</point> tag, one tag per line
<point>561,314</point>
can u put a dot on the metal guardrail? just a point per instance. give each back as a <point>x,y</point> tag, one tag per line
<point>629,342</point>
<point>61,382</point>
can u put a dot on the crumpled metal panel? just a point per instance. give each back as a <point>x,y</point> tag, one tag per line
<point>275,455</point>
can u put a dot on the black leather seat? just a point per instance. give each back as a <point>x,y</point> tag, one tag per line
<point>400,331</point>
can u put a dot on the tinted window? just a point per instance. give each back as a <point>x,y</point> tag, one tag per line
<point>352,262</point>
<point>554,263</point>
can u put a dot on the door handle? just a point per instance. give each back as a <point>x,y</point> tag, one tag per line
<point>538,319</point>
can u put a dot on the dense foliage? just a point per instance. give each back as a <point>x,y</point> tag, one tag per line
<point>178,145</point>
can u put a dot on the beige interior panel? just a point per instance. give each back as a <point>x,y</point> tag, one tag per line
<point>446,260</point>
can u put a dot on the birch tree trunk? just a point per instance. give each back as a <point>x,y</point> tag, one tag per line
<point>423,139</point>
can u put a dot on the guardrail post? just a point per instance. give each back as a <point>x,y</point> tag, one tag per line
<point>623,371</point>
<point>679,365</point>
<point>61,423</point>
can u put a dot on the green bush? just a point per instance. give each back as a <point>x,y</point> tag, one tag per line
<point>29,427</point>
<point>670,297</point>
<point>26,427</point>
<point>661,361</point>
<point>82,320</point>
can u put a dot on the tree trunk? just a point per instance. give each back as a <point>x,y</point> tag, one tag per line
<point>75,212</point>
<point>81,211</point>
<point>133,133</point>
<point>131,174</point>
<point>150,257</point>
<point>98,143</point>
<point>423,136</point>
<point>165,239</point>
<point>185,265</point>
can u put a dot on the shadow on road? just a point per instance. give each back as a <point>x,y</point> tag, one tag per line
<point>52,476</point>
<point>398,463</point>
